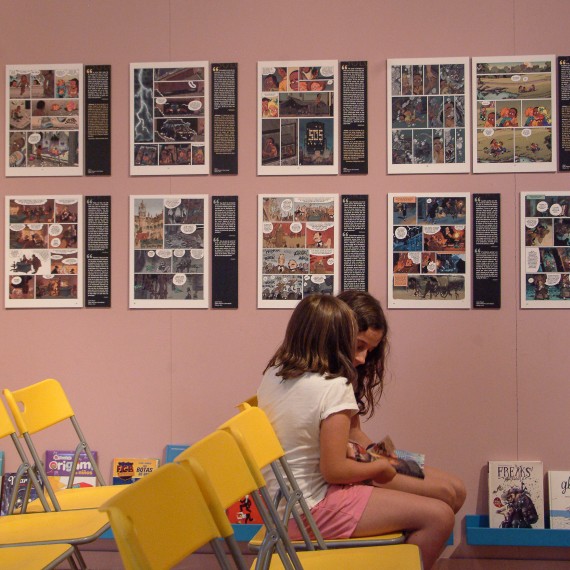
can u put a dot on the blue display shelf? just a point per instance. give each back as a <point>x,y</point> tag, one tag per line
<point>242,532</point>
<point>479,534</point>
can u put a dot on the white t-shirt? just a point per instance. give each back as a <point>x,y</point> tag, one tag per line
<point>296,409</point>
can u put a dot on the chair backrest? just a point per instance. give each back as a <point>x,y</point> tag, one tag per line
<point>39,406</point>
<point>258,441</point>
<point>227,470</point>
<point>161,520</point>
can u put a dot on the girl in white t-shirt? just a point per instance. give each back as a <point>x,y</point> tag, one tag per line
<point>308,393</point>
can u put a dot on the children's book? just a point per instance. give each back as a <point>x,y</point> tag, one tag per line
<point>127,470</point>
<point>404,462</point>
<point>516,494</point>
<point>244,512</point>
<point>559,499</point>
<point>58,469</point>
<point>9,487</point>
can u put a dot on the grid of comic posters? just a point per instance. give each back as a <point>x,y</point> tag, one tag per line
<point>429,246</point>
<point>297,117</point>
<point>298,248</point>
<point>44,252</point>
<point>545,255</point>
<point>428,115</point>
<point>514,114</point>
<point>169,252</point>
<point>169,118</point>
<point>44,107</point>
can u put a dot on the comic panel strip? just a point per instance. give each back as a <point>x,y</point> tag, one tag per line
<point>298,248</point>
<point>545,255</point>
<point>169,118</point>
<point>428,111</point>
<point>297,118</point>
<point>169,252</point>
<point>429,251</point>
<point>44,120</point>
<point>44,252</point>
<point>514,114</point>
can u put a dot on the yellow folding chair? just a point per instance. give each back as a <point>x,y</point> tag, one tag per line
<point>224,476</point>
<point>72,527</point>
<point>44,557</point>
<point>266,450</point>
<point>163,519</point>
<point>38,407</point>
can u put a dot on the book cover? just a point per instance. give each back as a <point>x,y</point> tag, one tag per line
<point>559,499</point>
<point>172,451</point>
<point>516,494</point>
<point>9,487</point>
<point>58,469</point>
<point>127,470</point>
<point>244,512</point>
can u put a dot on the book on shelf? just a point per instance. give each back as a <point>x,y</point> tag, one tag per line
<point>516,494</point>
<point>127,470</point>
<point>9,487</point>
<point>405,462</point>
<point>559,499</point>
<point>172,451</point>
<point>58,469</point>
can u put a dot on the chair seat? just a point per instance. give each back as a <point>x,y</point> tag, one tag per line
<point>33,557</point>
<point>396,557</point>
<point>378,540</point>
<point>75,527</point>
<point>78,498</point>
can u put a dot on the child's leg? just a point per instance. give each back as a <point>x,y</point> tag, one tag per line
<point>429,521</point>
<point>437,485</point>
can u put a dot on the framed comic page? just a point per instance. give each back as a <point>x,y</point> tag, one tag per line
<point>297,117</point>
<point>44,252</point>
<point>169,252</point>
<point>514,114</point>
<point>545,250</point>
<point>169,125</point>
<point>429,245</point>
<point>428,116</point>
<point>298,248</point>
<point>44,120</point>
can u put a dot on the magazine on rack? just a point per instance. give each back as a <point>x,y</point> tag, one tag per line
<point>405,462</point>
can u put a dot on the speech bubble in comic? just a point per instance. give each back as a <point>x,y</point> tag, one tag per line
<point>178,253</point>
<point>164,253</point>
<point>267,227</point>
<point>188,228</point>
<point>70,261</point>
<point>34,138</point>
<point>532,259</point>
<point>55,242</point>
<point>415,256</point>
<point>318,279</point>
<point>179,279</point>
<point>555,209</point>
<point>531,223</point>
<point>197,253</point>
<point>195,105</point>
<point>16,280</point>
<point>55,229</point>
<point>553,279</point>
<point>296,227</point>
<point>431,230</point>
<point>401,232</point>
<point>172,203</point>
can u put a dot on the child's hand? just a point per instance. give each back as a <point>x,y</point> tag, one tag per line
<point>386,471</point>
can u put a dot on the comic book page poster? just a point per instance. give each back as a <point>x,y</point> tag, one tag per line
<point>169,121</point>
<point>428,116</point>
<point>429,245</point>
<point>169,252</point>
<point>514,114</point>
<point>297,117</point>
<point>44,251</point>
<point>545,245</point>
<point>44,120</point>
<point>298,248</point>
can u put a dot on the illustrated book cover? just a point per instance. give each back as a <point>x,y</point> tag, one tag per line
<point>58,469</point>
<point>516,494</point>
<point>9,487</point>
<point>559,499</point>
<point>127,470</point>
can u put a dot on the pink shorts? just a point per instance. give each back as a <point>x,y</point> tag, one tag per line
<point>338,514</point>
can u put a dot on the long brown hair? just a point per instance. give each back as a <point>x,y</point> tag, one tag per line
<point>320,337</point>
<point>369,315</point>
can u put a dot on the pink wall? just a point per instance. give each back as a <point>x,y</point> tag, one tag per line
<point>465,387</point>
